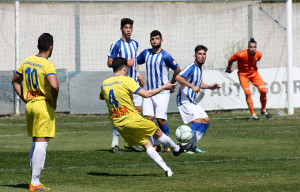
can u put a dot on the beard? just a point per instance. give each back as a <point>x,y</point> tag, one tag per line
<point>50,53</point>
<point>156,46</point>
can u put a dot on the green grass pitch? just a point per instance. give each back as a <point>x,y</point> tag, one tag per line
<point>241,155</point>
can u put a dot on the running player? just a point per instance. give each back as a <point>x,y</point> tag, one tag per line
<point>117,92</point>
<point>127,48</point>
<point>247,72</point>
<point>190,79</point>
<point>39,92</point>
<point>158,62</point>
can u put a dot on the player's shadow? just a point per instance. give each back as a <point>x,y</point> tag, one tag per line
<point>125,150</point>
<point>121,175</point>
<point>18,186</point>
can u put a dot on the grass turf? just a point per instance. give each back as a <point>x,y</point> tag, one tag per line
<point>242,155</point>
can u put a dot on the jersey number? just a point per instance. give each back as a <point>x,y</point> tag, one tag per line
<point>30,75</point>
<point>112,99</point>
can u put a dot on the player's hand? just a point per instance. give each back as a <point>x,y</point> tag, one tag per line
<point>228,70</point>
<point>52,103</point>
<point>130,62</point>
<point>215,86</point>
<point>196,89</point>
<point>141,80</point>
<point>169,86</point>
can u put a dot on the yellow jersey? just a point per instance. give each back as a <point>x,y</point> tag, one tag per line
<point>117,92</point>
<point>35,70</point>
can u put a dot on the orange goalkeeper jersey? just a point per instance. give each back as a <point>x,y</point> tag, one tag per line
<point>246,63</point>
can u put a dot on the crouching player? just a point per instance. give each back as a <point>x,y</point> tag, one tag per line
<point>190,79</point>
<point>117,92</point>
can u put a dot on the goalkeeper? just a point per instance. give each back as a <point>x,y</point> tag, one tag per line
<point>247,72</point>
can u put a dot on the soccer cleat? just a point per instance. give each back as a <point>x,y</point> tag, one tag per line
<point>183,148</point>
<point>254,117</point>
<point>169,173</point>
<point>134,148</point>
<point>116,149</point>
<point>157,148</point>
<point>40,187</point>
<point>265,113</point>
<point>167,149</point>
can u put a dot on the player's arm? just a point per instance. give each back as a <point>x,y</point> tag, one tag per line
<point>109,61</point>
<point>17,84</point>
<point>141,77</point>
<point>52,79</point>
<point>232,59</point>
<point>212,86</point>
<point>176,71</point>
<point>184,82</point>
<point>101,96</point>
<point>149,93</point>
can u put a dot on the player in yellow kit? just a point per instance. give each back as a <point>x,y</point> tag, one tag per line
<point>117,92</point>
<point>39,91</point>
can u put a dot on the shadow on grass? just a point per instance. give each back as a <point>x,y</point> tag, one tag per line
<point>124,150</point>
<point>121,175</point>
<point>19,186</point>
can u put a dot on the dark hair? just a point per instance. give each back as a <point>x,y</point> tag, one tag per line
<point>44,42</point>
<point>251,41</point>
<point>200,47</point>
<point>118,63</point>
<point>125,21</point>
<point>154,33</point>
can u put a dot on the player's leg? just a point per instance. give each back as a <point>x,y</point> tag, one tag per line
<point>45,121</point>
<point>245,83</point>
<point>260,84</point>
<point>161,102</point>
<point>167,141</point>
<point>152,153</point>
<point>148,112</point>
<point>115,141</point>
<point>200,122</point>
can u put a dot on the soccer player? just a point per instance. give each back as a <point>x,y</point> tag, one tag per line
<point>247,72</point>
<point>190,79</point>
<point>39,91</point>
<point>127,48</point>
<point>158,62</point>
<point>117,92</point>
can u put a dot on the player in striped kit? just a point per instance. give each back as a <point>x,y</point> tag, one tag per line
<point>190,79</point>
<point>127,48</point>
<point>158,62</point>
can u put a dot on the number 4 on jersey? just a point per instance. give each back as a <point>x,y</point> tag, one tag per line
<point>112,99</point>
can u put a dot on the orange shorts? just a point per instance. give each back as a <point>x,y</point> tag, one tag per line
<point>254,77</point>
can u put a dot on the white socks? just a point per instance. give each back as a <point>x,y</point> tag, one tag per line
<point>157,158</point>
<point>197,136</point>
<point>167,141</point>
<point>115,138</point>
<point>37,160</point>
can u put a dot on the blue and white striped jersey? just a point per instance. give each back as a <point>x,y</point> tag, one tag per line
<point>126,50</point>
<point>157,67</point>
<point>193,74</point>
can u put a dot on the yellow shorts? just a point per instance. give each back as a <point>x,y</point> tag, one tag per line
<point>138,131</point>
<point>40,119</point>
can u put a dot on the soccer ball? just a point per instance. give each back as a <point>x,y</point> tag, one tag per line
<point>184,134</point>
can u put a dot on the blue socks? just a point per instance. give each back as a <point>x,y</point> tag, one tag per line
<point>201,127</point>
<point>165,129</point>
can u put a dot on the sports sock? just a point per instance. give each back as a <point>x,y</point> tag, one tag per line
<point>202,128</point>
<point>38,161</point>
<point>263,98</point>
<point>165,129</point>
<point>115,138</point>
<point>31,153</point>
<point>167,141</point>
<point>195,126</point>
<point>198,135</point>
<point>154,141</point>
<point>157,158</point>
<point>249,101</point>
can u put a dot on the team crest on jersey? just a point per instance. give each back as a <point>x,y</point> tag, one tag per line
<point>174,62</point>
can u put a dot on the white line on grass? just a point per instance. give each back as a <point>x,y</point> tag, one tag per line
<point>76,123</point>
<point>143,164</point>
